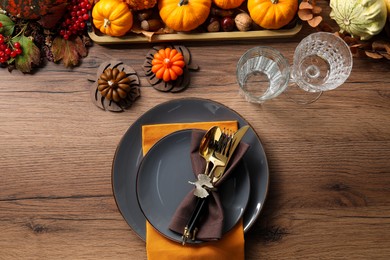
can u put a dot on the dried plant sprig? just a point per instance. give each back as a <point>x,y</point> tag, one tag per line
<point>377,49</point>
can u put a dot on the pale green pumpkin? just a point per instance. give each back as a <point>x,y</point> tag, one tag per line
<point>364,18</point>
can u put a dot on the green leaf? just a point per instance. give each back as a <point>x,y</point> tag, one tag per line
<point>30,55</point>
<point>69,51</point>
<point>8,25</point>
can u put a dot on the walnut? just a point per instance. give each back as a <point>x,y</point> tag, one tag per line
<point>243,22</point>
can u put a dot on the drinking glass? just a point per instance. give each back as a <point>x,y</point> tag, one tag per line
<point>322,62</point>
<point>262,73</point>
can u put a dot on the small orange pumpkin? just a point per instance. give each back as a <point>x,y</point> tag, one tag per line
<point>272,14</point>
<point>168,64</point>
<point>228,4</point>
<point>112,17</point>
<point>184,15</point>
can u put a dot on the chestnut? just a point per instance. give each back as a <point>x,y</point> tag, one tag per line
<point>227,24</point>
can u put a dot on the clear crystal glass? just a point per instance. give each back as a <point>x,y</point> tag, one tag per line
<point>262,73</point>
<point>322,62</point>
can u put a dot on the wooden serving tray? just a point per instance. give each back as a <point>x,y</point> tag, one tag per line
<point>207,36</point>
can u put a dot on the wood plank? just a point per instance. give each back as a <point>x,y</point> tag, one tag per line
<point>329,161</point>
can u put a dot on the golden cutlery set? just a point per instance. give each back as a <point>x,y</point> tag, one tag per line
<point>216,148</point>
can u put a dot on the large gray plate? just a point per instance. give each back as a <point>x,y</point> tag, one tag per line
<point>162,183</point>
<point>129,155</point>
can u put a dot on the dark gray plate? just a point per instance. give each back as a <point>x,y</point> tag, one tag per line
<point>128,157</point>
<point>162,183</point>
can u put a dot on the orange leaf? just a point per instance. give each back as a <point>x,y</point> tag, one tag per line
<point>363,46</point>
<point>305,5</point>
<point>305,14</point>
<point>315,21</point>
<point>373,55</point>
<point>386,55</point>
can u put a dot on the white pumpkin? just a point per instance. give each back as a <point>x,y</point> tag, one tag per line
<point>388,9</point>
<point>364,18</point>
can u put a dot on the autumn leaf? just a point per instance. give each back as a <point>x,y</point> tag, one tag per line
<point>69,51</point>
<point>373,55</point>
<point>54,14</point>
<point>30,55</point>
<point>8,25</point>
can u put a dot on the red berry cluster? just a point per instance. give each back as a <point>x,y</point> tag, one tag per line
<point>7,49</point>
<point>75,18</point>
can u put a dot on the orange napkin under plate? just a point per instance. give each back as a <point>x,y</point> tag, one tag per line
<point>158,247</point>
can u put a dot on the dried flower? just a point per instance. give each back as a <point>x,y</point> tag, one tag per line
<point>310,12</point>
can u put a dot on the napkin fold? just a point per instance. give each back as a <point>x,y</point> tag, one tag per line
<point>158,247</point>
<point>211,226</point>
<point>152,133</point>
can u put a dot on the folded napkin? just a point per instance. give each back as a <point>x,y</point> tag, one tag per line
<point>152,133</point>
<point>212,224</point>
<point>158,247</point>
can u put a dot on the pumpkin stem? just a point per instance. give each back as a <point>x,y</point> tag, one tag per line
<point>106,23</point>
<point>112,84</point>
<point>274,1</point>
<point>183,2</point>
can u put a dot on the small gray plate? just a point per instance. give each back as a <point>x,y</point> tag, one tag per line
<point>162,183</point>
<point>128,157</point>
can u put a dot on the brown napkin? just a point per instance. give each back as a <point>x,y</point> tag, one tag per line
<point>212,224</point>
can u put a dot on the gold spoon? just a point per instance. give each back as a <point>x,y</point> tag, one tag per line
<point>206,145</point>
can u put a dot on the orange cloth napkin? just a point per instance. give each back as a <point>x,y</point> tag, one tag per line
<point>158,247</point>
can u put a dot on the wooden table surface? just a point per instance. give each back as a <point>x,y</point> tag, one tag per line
<point>329,162</point>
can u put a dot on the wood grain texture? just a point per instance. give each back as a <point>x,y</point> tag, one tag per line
<point>329,193</point>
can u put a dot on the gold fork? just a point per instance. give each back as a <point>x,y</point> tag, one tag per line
<point>220,156</point>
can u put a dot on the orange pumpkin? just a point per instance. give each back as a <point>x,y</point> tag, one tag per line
<point>168,64</point>
<point>112,17</point>
<point>228,4</point>
<point>272,14</point>
<point>184,15</point>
